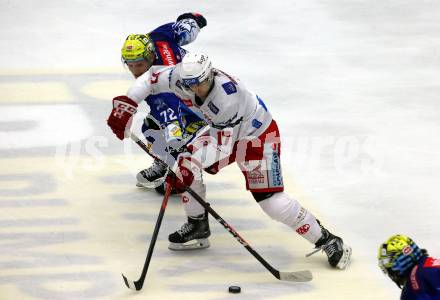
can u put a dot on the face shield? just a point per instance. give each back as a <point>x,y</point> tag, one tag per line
<point>188,82</point>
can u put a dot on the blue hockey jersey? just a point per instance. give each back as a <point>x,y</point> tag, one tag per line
<point>167,108</point>
<point>169,38</point>
<point>423,282</point>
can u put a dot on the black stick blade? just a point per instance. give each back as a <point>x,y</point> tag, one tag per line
<point>134,285</point>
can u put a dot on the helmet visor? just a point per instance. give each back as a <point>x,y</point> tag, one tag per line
<point>128,60</point>
<point>187,82</point>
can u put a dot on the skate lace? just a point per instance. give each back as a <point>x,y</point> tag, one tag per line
<point>329,248</point>
<point>186,228</point>
<point>156,169</point>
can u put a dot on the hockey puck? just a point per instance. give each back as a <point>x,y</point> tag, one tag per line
<point>233,289</point>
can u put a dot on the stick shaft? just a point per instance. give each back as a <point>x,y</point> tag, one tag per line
<point>219,219</point>
<point>140,282</point>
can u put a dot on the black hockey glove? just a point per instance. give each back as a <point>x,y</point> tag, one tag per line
<point>201,21</point>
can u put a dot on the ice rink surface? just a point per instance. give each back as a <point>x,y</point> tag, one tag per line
<point>353,85</point>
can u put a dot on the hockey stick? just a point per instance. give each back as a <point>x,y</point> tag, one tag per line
<point>137,285</point>
<point>298,276</point>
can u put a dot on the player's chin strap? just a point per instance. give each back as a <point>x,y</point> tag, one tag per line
<point>298,276</point>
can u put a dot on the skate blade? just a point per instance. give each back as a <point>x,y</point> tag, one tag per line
<point>150,184</point>
<point>190,245</point>
<point>345,259</point>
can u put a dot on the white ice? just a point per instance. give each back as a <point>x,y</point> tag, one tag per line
<point>354,86</point>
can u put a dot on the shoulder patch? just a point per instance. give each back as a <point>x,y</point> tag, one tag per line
<point>213,108</point>
<point>257,124</point>
<point>229,87</point>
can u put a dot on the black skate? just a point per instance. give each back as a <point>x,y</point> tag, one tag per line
<point>161,189</point>
<point>192,235</point>
<point>338,254</point>
<point>152,177</point>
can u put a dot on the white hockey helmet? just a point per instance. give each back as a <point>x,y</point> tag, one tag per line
<point>195,68</point>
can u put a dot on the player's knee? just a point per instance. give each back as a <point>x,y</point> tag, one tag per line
<point>271,204</point>
<point>260,196</point>
<point>280,207</point>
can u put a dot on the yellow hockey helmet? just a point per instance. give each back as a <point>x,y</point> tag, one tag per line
<point>398,255</point>
<point>137,47</point>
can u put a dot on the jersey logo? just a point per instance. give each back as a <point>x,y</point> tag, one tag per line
<point>273,158</point>
<point>154,78</point>
<point>256,177</point>
<point>228,123</point>
<point>303,229</point>
<point>229,88</point>
<point>187,102</point>
<point>257,124</point>
<point>432,263</point>
<point>413,279</point>
<point>166,53</point>
<point>213,108</point>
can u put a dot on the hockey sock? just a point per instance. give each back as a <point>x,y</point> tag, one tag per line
<point>288,211</point>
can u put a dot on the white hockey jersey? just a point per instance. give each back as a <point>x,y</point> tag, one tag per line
<point>232,111</point>
<point>229,105</point>
<point>154,81</point>
<point>178,122</point>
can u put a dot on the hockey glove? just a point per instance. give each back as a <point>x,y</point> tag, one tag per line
<point>183,175</point>
<point>200,20</point>
<point>121,116</point>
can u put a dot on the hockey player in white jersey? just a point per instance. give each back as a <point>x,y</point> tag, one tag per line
<point>240,130</point>
<point>243,131</point>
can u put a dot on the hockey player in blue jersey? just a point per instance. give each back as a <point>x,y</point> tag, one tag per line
<point>162,46</point>
<point>411,268</point>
